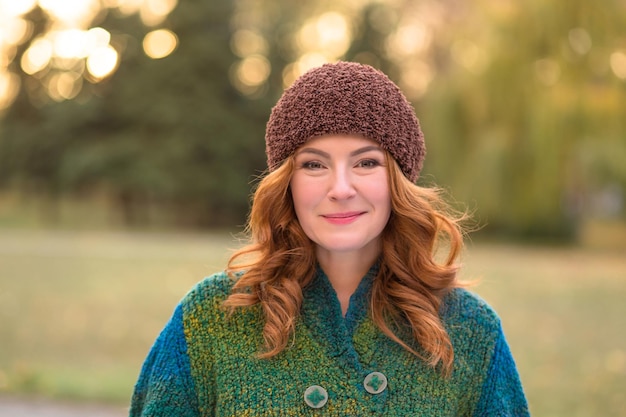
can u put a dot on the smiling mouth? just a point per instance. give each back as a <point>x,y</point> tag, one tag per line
<point>343,218</point>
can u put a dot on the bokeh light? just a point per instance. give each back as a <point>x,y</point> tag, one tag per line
<point>64,85</point>
<point>102,62</point>
<point>328,34</point>
<point>469,55</point>
<point>97,38</point>
<point>249,76</point>
<point>160,43</point>
<point>246,42</point>
<point>15,31</point>
<point>416,78</point>
<point>321,39</point>
<point>333,33</point>
<point>126,7</point>
<point>9,87</point>
<point>71,46</point>
<point>618,64</point>
<point>253,70</point>
<point>14,8</point>
<point>37,56</point>
<point>305,63</point>
<point>154,12</point>
<point>7,53</point>
<point>580,41</point>
<point>409,40</point>
<point>70,43</point>
<point>71,13</point>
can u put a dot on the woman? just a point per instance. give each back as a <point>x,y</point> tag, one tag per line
<point>338,306</point>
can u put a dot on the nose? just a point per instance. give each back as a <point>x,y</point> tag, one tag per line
<point>341,186</point>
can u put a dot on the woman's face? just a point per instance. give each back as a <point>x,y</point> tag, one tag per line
<point>341,195</point>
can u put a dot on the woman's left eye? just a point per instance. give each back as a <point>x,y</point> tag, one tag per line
<point>311,165</point>
<point>368,163</point>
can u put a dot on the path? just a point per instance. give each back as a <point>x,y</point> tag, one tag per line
<point>28,407</point>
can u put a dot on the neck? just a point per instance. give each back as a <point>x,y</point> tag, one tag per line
<point>345,271</point>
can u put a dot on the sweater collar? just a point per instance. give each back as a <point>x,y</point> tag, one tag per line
<point>321,311</point>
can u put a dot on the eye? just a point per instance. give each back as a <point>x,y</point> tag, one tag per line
<point>368,163</point>
<point>314,165</point>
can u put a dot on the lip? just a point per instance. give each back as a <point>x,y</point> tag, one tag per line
<point>343,218</point>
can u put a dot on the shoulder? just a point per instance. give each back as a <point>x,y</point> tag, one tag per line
<point>216,285</point>
<point>209,293</point>
<point>204,303</point>
<point>467,315</point>
<point>461,304</point>
<point>475,332</point>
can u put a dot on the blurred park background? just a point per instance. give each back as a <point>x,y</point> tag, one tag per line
<point>131,132</point>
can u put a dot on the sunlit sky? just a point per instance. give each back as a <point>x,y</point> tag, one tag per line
<point>73,50</point>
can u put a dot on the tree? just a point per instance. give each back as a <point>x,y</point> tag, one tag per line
<point>171,133</point>
<point>522,107</point>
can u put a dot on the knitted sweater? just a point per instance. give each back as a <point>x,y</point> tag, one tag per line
<point>203,363</point>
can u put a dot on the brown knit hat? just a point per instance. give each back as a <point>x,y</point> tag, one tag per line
<point>346,98</point>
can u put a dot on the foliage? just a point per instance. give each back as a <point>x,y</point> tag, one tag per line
<point>170,132</point>
<point>522,107</point>
<point>529,128</point>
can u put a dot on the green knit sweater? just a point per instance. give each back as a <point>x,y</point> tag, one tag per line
<point>203,363</point>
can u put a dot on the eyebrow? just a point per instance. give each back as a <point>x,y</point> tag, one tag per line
<point>353,153</point>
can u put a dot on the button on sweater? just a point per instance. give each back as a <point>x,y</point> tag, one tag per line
<point>204,362</point>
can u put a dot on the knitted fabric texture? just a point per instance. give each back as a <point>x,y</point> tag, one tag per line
<point>351,99</point>
<point>204,362</point>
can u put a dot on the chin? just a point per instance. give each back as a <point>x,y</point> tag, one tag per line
<point>339,246</point>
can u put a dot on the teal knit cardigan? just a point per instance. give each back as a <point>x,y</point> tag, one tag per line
<point>203,363</point>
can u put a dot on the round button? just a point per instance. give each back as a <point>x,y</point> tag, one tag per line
<point>375,383</point>
<point>315,396</point>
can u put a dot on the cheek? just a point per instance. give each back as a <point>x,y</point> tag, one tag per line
<point>381,200</point>
<point>380,195</point>
<point>303,204</point>
<point>302,195</point>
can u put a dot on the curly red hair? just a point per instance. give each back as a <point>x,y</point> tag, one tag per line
<point>409,288</point>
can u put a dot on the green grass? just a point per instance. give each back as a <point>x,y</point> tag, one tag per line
<point>79,311</point>
<point>564,313</point>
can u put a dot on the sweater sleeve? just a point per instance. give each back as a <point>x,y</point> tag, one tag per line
<point>165,386</point>
<point>502,393</point>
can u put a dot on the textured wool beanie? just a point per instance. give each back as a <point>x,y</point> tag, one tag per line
<point>346,98</point>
